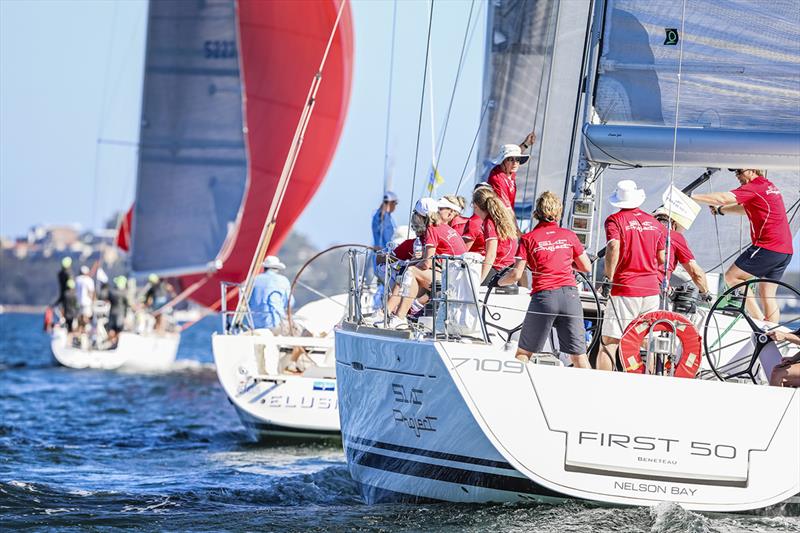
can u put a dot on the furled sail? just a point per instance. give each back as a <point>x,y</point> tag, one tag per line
<point>225,83</point>
<point>737,104</point>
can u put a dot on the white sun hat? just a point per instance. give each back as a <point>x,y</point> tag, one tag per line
<point>510,150</point>
<point>273,262</point>
<point>444,203</point>
<point>426,206</point>
<point>400,234</point>
<point>627,195</point>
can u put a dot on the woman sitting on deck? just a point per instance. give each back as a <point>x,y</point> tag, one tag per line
<point>552,252</point>
<point>439,239</point>
<point>499,232</point>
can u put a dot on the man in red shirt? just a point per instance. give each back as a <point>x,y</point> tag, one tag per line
<point>771,249</point>
<point>680,253</point>
<point>634,252</point>
<point>503,177</point>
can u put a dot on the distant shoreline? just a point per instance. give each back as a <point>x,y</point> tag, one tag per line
<point>25,309</point>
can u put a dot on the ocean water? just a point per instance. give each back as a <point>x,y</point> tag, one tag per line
<point>165,452</point>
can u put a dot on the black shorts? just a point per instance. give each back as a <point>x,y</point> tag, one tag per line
<point>763,263</point>
<point>557,308</point>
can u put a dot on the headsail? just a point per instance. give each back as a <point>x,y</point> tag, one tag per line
<point>238,71</point>
<point>192,163</point>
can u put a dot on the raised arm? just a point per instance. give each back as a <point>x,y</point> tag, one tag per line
<point>528,142</point>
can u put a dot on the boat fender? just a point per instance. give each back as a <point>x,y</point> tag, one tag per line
<point>634,334</point>
<point>48,319</point>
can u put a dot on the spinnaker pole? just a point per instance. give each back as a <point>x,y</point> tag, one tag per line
<point>283,182</point>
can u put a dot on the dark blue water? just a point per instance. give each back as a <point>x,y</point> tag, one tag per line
<point>106,450</point>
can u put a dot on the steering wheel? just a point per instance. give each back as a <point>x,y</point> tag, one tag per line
<point>506,333</point>
<point>732,305</point>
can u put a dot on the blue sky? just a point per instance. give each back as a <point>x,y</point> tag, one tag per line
<point>71,73</point>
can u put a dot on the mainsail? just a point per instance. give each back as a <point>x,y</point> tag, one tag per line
<point>737,103</point>
<point>224,86</point>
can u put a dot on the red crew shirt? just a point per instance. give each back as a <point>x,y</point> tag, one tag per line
<point>458,223</point>
<point>550,251</point>
<point>504,185</point>
<point>405,250</point>
<point>763,203</point>
<point>640,241</point>
<point>445,240</point>
<point>473,231</point>
<point>506,248</point>
<point>679,252</point>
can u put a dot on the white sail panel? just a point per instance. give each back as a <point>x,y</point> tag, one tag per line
<point>192,161</point>
<point>739,63</point>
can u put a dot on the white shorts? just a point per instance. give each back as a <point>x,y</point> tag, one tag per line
<point>622,310</point>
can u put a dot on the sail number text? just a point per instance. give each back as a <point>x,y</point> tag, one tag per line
<point>219,49</point>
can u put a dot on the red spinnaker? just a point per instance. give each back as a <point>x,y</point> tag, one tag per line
<point>281,44</point>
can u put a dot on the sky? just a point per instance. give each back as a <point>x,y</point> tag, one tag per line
<point>70,100</point>
<point>70,88</point>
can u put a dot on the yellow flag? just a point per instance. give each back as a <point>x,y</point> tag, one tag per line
<point>434,179</point>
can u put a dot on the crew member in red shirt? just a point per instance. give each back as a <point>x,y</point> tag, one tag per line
<point>499,232</point>
<point>771,237</point>
<point>503,176</point>
<point>439,239</point>
<point>473,229</point>
<point>450,209</point>
<point>680,253</point>
<point>552,252</point>
<point>634,253</point>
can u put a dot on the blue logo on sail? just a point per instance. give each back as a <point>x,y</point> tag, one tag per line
<point>324,385</point>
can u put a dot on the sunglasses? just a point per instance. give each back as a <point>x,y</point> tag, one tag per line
<point>515,159</point>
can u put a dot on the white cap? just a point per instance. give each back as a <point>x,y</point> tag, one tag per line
<point>510,150</point>
<point>389,196</point>
<point>426,206</point>
<point>444,203</point>
<point>627,195</point>
<point>84,270</point>
<point>273,262</point>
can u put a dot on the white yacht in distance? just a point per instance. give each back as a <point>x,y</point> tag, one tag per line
<point>661,91</point>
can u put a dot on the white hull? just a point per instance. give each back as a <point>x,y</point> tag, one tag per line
<point>134,352</point>
<point>272,404</point>
<point>467,423</point>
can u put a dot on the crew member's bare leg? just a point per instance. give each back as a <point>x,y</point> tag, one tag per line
<point>735,275</point>
<point>608,350</point>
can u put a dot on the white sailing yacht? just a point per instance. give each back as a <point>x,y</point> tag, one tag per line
<point>657,90</point>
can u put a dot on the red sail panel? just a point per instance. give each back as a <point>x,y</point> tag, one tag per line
<point>123,238</point>
<point>281,45</point>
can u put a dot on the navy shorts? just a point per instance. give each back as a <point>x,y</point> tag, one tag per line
<point>560,309</point>
<point>763,263</point>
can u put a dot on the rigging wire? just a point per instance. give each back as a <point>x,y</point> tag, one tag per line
<point>419,120</point>
<point>551,24</point>
<point>468,31</point>
<point>668,247</point>
<point>486,106</point>
<point>386,178</point>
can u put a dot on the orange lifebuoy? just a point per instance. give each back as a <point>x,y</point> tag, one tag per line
<point>631,341</point>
